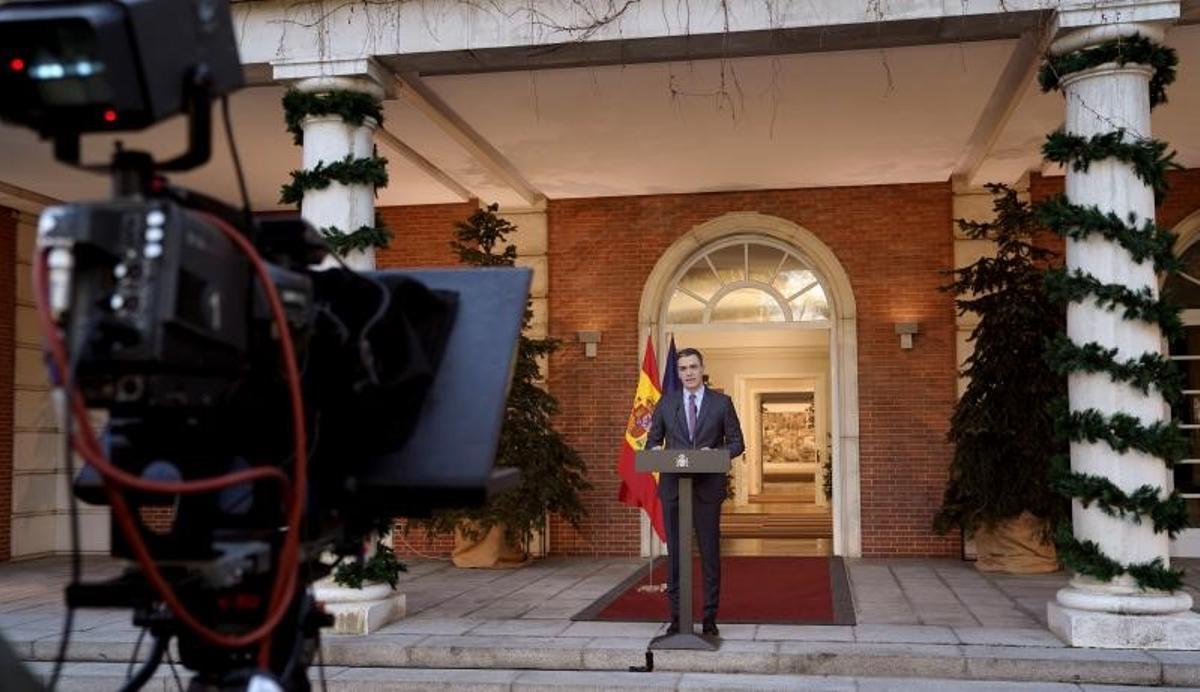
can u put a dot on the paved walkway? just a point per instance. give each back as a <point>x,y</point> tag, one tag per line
<point>927,619</point>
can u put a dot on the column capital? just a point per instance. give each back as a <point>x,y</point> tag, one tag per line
<point>1095,35</point>
<point>1078,14</point>
<point>350,74</point>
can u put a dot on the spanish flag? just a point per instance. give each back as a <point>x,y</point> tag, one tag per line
<point>641,489</point>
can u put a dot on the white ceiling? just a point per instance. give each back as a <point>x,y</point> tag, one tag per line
<point>819,119</point>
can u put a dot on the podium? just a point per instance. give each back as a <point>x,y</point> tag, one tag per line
<point>685,463</point>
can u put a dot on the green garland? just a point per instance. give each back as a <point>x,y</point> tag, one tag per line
<point>1085,557</point>
<point>1148,370</point>
<point>1077,286</point>
<point>1124,432</point>
<point>342,243</point>
<point>354,107</point>
<point>382,567</point>
<point>1167,515</point>
<point>1133,49</point>
<point>1148,157</point>
<point>349,171</point>
<point>1147,242</point>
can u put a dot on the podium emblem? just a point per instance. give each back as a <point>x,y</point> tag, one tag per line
<point>682,462</point>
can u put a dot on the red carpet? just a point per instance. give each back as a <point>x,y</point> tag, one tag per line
<point>760,590</point>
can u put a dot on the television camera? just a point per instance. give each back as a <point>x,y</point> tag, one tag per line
<point>277,409</point>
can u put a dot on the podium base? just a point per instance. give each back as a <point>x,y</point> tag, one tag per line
<point>687,641</point>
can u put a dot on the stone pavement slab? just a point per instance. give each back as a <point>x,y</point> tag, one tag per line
<point>910,685</point>
<point>735,657</point>
<point>1179,667</point>
<point>912,634</point>
<point>430,625</point>
<point>613,629</point>
<point>870,659</point>
<point>822,633</point>
<point>1062,665</point>
<point>1008,636</point>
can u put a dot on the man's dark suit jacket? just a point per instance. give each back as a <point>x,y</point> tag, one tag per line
<point>717,427</point>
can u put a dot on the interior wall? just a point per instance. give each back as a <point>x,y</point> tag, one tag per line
<point>744,373</point>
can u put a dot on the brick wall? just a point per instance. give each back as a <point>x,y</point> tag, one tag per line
<point>422,234</point>
<point>8,270</point>
<point>893,242</point>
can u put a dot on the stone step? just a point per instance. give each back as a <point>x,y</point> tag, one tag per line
<point>88,677</point>
<point>610,655</point>
<point>792,525</point>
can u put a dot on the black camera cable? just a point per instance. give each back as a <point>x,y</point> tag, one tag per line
<point>237,163</point>
<point>137,648</point>
<point>152,662</point>
<point>67,382</point>
<point>174,671</point>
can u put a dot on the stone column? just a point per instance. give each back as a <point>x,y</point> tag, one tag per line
<point>329,139</point>
<point>532,241</point>
<point>1116,613</point>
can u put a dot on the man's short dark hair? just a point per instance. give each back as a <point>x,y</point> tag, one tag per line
<point>690,352</point>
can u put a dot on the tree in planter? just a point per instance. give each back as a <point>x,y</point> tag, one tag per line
<point>1003,426</point>
<point>552,473</point>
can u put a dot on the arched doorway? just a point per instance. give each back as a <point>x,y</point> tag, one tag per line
<point>773,311</point>
<point>1183,289</point>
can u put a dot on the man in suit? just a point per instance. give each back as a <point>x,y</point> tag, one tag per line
<point>695,418</point>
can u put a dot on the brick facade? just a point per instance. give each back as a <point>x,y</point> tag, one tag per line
<point>895,243</point>
<point>8,332</point>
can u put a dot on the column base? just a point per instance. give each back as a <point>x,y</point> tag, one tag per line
<point>361,611</point>
<point>1098,630</point>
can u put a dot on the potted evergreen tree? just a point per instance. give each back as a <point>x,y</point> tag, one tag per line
<point>1000,490</point>
<point>552,473</point>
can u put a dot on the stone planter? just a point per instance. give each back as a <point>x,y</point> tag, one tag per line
<point>360,611</point>
<point>1016,546</point>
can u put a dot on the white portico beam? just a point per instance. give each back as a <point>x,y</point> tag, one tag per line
<point>431,169</point>
<point>418,93</point>
<point>1018,74</point>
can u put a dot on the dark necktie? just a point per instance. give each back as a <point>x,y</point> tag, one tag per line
<point>692,417</point>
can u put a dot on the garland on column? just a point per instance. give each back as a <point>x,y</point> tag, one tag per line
<point>1136,49</point>
<point>1076,286</point>
<point>349,171</point>
<point>1146,242</point>
<point>354,108</point>
<point>1148,157</point>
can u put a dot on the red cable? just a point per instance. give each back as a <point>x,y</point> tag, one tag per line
<point>86,445</point>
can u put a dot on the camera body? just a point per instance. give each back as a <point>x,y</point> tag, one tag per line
<point>109,65</point>
<point>312,405</point>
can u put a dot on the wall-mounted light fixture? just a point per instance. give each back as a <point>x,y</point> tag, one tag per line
<point>589,341</point>
<point>906,331</point>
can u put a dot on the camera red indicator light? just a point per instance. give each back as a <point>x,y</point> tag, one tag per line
<point>110,116</point>
<point>16,65</point>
